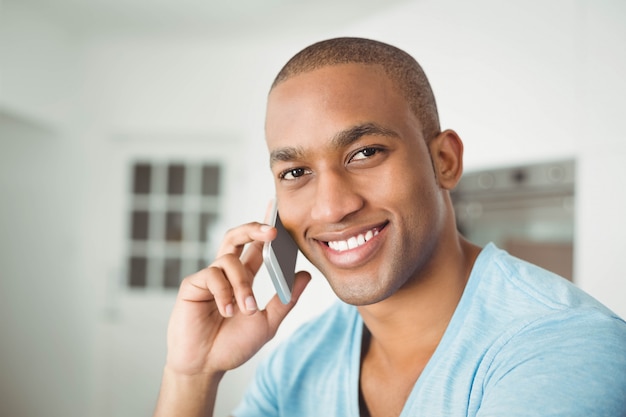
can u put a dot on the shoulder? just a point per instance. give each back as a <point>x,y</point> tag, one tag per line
<point>547,345</point>
<point>585,332</point>
<point>528,287</point>
<point>573,361</point>
<point>549,316</point>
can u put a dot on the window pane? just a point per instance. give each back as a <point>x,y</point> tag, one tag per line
<point>171,273</point>
<point>140,223</point>
<point>202,264</point>
<point>174,226</point>
<point>206,222</point>
<point>141,179</point>
<point>210,179</point>
<point>137,276</point>
<point>176,179</point>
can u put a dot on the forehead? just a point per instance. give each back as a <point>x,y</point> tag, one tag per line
<point>330,99</point>
<point>333,82</point>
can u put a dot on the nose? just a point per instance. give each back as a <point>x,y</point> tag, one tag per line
<point>336,197</point>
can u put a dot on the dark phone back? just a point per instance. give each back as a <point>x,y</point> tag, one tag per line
<point>286,252</point>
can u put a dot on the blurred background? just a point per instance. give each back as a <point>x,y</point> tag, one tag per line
<point>131,138</point>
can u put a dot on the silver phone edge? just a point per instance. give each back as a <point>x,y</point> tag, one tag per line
<point>276,274</point>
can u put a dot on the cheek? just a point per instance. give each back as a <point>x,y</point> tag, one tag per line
<point>416,195</point>
<point>400,182</point>
<point>292,213</point>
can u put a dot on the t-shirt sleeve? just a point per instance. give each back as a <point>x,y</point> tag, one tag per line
<point>573,364</point>
<point>260,398</point>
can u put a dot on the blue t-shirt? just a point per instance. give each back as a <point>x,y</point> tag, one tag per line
<point>522,342</point>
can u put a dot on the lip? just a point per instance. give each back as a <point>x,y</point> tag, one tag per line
<point>357,255</point>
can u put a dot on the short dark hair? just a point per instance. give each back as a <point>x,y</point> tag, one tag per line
<point>400,67</point>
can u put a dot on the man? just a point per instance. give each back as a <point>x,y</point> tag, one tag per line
<point>429,324</point>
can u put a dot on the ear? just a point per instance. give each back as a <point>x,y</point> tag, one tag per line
<point>446,151</point>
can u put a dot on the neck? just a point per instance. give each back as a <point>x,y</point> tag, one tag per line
<point>414,319</point>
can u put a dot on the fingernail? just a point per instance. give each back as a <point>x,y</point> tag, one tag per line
<point>265,227</point>
<point>251,303</point>
<point>228,310</point>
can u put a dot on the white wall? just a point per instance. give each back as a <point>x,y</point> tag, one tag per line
<point>45,314</point>
<point>45,318</point>
<point>520,81</point>
<point>39,69</point>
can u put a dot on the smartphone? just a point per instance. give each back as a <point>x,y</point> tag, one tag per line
<point>279,257</point>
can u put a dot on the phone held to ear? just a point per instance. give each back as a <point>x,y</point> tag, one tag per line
<point>279,257</point>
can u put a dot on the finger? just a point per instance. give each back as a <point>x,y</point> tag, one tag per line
<point>252,258</point>
<point>235,239</point>
<point>214,279</point>
<point>240,279</point>
<point>277,311</point>
<point>191,290</point>
<point>211,284</point>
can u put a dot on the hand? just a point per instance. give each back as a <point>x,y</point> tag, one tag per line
<point>216,324</point>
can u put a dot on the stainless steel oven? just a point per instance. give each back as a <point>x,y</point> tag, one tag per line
<point>526,210</point>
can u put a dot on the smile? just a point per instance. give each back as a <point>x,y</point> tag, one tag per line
<point>353,242</point>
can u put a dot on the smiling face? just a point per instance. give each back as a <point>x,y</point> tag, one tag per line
<point>354,179</point>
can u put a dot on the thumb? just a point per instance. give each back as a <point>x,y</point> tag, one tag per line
<point>277,311</point>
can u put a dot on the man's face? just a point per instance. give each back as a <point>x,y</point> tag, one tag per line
<point>354,179</point>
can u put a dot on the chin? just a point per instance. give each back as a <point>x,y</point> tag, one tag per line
<point>361,295</point>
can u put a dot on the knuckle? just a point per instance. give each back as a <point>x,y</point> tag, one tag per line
<point>185,283</point>
<point>228,258</point>
<point>222,291</point>
<point>230,265</point>
<point>218,283</point>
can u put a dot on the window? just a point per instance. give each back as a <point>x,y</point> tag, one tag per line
<point>174,207</point>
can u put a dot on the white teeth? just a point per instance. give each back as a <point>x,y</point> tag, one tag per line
<point>353,242</point>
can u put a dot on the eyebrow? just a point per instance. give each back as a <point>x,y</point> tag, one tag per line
<point>339,140</point>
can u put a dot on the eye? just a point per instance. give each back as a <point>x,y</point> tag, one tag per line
<point>364,153</point>
<point>292,174</point>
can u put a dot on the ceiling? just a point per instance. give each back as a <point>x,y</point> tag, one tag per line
<point>213,17</point>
